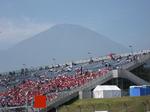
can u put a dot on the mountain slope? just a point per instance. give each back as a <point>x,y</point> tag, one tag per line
<point>64,42</point>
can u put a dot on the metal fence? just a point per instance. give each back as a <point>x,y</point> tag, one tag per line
<point>17,109</point>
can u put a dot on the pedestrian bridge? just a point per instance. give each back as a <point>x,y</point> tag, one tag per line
<point>85,90</point>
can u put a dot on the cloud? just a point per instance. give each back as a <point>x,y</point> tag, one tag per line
<point>13,31</point>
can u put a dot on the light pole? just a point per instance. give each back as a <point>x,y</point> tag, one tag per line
<point>54,60</point>
<point>90,57</point>
<point>131,48</point>
<point>24,66</point>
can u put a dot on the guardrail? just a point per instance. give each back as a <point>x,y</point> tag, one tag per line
<point>9,109</point>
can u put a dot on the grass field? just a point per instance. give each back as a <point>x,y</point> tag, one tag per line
<point>124,104</point>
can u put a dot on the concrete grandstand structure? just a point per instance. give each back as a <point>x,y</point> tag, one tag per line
<point>79,80</point>
<point>85,90</point>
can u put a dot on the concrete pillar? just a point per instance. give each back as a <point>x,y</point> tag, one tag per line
<point>115,73</point>
<point>83,94</point>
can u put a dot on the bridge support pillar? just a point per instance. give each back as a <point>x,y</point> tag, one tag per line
<point>115,73</point>
<point>83,94</point>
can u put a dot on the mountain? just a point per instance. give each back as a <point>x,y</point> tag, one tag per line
<point>64,42</point>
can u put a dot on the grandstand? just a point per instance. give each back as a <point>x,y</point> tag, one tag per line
<point>61,83</point>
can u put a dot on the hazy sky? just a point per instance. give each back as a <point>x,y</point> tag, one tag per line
<point>125,21</point>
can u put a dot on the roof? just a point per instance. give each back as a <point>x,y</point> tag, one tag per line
<point>135,86</point>
<point>106,87</point>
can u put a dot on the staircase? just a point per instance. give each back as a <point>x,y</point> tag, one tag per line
<point>133,78</point>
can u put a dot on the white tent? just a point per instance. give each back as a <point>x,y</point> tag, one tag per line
<point>106,91</point>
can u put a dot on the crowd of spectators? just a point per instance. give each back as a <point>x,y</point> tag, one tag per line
<point>25,92</point>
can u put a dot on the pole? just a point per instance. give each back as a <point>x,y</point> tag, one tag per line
<point>90,56</point>
<point>131,47</point>
<point>117,81</point>
<point>54,60</point>
<point>81,70</point>
<point>24,68</point>
<point>125,106</point>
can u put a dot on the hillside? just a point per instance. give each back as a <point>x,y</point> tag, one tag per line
<point>124,104</point>
<point>64,42</point>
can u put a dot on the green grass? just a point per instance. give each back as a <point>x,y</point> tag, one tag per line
<point>124,104</point>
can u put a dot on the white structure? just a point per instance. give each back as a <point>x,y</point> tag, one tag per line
<point>106,91</point>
